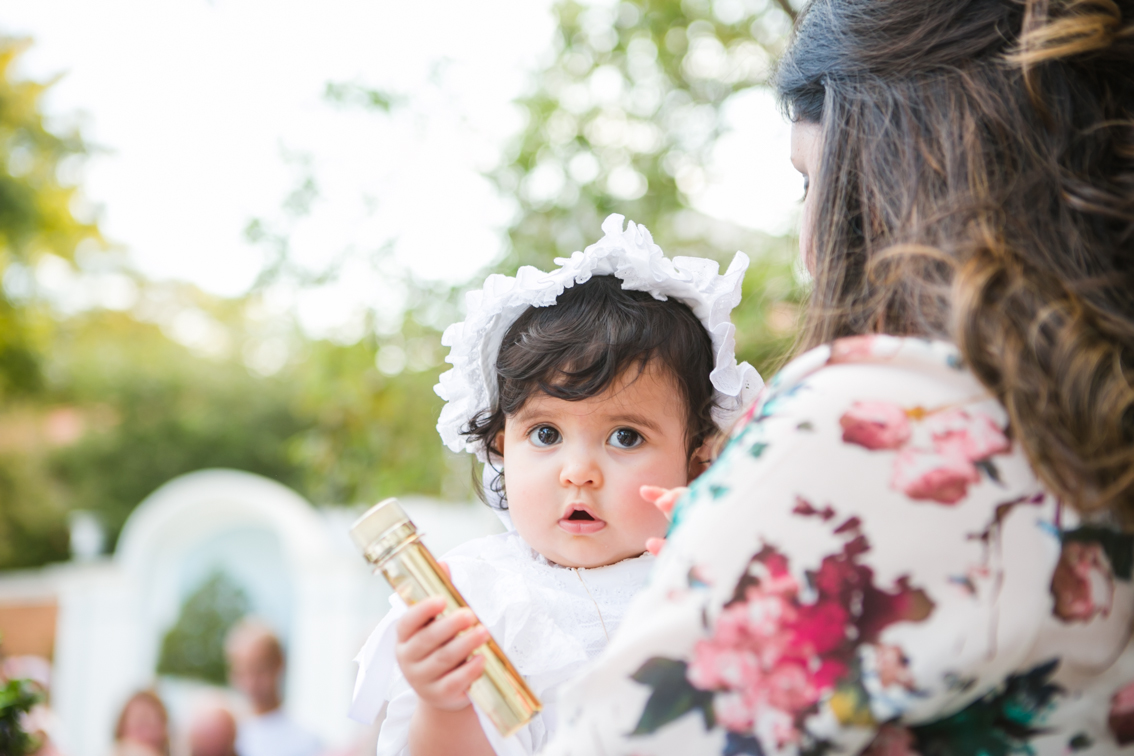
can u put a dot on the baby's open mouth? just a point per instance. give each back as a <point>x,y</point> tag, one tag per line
<point>580,522</point>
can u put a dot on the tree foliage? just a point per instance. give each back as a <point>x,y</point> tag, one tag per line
<point>152,409</point>
<point>99,409</point>
<point>194,646</point>
<point>624,119</point>
<point>36,219</point>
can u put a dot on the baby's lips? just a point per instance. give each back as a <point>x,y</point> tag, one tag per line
<point>581,527</point>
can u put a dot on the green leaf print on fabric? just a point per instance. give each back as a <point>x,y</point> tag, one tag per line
<point>1001,723</point>
<point>757,449</point>
<point>1080,742</point>
<point>672,695</point>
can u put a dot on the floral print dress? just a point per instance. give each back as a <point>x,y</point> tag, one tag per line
<point>870,567</point>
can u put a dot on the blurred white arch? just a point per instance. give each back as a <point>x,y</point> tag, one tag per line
<point>192,506</point>
<point>296,561</point>
<point>290,557</point>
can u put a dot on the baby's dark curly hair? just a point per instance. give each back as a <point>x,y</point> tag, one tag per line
<point>577,348</point>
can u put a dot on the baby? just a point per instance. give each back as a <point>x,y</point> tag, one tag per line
<point>596,386</point>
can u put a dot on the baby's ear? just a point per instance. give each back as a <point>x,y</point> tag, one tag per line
<point>497,447</point>
<point>701,458</point>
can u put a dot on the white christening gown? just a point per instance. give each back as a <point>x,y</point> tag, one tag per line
<point>549,620</point>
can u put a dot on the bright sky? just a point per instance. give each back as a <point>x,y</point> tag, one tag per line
<point>210,113</point>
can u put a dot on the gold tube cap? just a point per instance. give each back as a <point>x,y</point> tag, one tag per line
<point>376,522</point>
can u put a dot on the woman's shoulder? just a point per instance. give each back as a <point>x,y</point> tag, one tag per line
<point>880,420</point>
<point>874,546</point>
<point>877,364</point>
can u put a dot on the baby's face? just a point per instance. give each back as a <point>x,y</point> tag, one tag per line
<point>573,470</point>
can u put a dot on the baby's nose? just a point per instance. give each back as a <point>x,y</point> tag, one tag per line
<point>581,469</point>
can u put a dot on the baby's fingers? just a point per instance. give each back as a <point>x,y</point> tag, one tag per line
<point>451,690</point>
<point>654,545</point>
<point>427,640</point>
<point>418,616</point>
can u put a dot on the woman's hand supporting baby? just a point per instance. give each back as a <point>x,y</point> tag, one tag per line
<point>434,656</point>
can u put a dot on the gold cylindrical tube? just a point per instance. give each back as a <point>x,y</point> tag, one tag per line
<point>390,541</point>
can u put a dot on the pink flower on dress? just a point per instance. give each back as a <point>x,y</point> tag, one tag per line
<point>716,666</point>
<point>773,657</point>
<point>1121,718</point>
<point>790,688</point>
<point>932,476</point>
<point>893,669</point>
<point>851,349</point>
<point>733,711</point>
<point>863,348</point>
<point>821,627</point>
<point>942,473</point>
<point>970,437</point>
<point>1082,584</point>
<point>875,425</point>
<point>892,740</point>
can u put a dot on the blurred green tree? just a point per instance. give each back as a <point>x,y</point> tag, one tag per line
<point>36,219</point>
<point>624,119</point>
<point>194,646</point>
<point>372,434</point>
<point>152,409</point>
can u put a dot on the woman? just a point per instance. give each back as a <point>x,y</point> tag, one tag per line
<point>917,543</point>
<point>143,727</point>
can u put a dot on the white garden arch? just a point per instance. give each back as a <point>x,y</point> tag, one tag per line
<point>296,564</point>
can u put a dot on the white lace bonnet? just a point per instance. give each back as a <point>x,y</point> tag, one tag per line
<point>470,387</point>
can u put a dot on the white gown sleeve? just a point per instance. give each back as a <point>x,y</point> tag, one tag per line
<point>377,668</point>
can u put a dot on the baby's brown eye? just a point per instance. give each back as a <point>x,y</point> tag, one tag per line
<point>625,438</point>
<point>545,435</point>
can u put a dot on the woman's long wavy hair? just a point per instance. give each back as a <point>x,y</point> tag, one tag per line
<point>976,183</point>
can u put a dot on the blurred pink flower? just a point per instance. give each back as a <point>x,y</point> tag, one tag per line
<point>733,712</point>
<point>875,425</point>
<point>1082,584</point>
<point>892,740</point>
<point>715,666</point>
<point>944,478</point>
<point>790,688</point>
<point>821,626</point>
<point>772,658</point>
<point>970,437</point>
<point>854,349</point>
<point>1121,717</point>
<point>892,667</point>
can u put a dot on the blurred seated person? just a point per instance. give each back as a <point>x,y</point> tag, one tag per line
<point>255,668</point>
<point>212,732</point>
<point>143,727</point>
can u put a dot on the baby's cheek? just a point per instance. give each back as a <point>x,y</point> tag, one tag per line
<point>647,520</point>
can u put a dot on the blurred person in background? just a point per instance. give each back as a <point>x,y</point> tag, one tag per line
<point>212,732</point>
<point>143,727</point>
<point>255,668</point>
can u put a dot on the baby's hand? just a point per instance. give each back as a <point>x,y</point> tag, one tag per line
<point>664,499</point>
<point>434,653</point>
